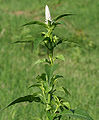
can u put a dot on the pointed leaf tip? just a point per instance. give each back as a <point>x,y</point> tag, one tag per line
<point>28,98</point>
<point>35,22</point>
<point>63,15</point>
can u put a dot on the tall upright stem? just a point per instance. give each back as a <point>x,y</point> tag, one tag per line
<point>50,55</point>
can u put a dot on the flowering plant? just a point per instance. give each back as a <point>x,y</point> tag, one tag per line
<point>55,106</point>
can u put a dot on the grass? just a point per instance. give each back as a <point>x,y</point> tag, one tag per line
<point>80,69</point>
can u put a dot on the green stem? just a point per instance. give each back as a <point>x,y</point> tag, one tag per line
<point>50,55</point>
<point>50,49</point>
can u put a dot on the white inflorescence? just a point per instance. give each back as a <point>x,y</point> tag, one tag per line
<point>47,15</point>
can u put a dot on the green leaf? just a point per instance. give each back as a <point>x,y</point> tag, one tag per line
<point>35,22</point>
<point>63,15</point>
<point>61,57</point>
<point>37,42</point>
<point>35,85</point>
<point>28,98</point>
<point>47,87</point>
<point>29,41</point>
<point>60,91</point>
<point>66,91</point>
<point>66,104</point>
<point>56,77</point>
<point>78,113</point>
<point>42,77</point>
<point>50,115</point>
<point>48,107</point>
<point>55,23</point>
<point>71,42</point>
<point>41,61</point>
<point>49,69</point>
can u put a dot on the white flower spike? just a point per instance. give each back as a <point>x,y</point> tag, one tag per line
<point>47,15</point>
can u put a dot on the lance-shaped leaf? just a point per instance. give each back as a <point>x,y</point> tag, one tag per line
<point>28,98</point>
<point>29,41</point>
<point>61,16</point>
<point>41,61</point>
<point>56,23</point>
<point>78,113</point>
<point>68,41</point>
<point>66,91</point>
<point>49,69</point>
<point>72,42</point>
<point>56,77</point>
<point>35,85</point>
<point>60,92</point>
<point>35,22</point>
<point>61,57</point>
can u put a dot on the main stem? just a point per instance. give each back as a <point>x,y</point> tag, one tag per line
<point>50,55</point>
<point>51,61</point>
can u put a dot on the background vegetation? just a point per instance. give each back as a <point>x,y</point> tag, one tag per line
<point>17,70</point>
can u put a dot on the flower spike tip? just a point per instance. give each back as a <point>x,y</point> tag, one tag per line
<point>47,15</point>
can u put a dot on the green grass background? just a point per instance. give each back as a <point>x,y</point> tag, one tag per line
<point>17,71</point>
